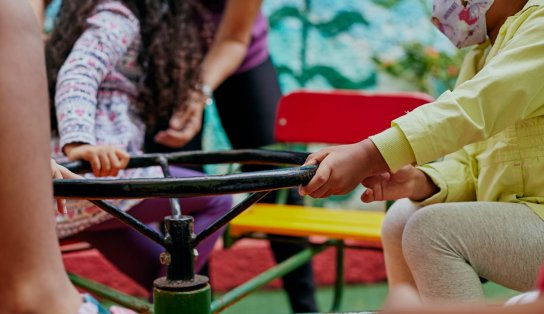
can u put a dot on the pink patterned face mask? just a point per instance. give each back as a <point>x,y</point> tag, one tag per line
<point>462,21</point>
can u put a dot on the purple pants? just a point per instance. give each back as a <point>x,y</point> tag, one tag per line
<point>137,256</point>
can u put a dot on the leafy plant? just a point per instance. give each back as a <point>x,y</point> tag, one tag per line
<point>428,69</point>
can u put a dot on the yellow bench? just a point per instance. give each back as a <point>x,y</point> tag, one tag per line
<point>305,221</point>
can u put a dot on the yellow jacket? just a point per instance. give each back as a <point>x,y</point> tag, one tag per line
<point>493,122</point>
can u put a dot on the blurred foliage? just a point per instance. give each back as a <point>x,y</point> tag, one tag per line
<point>428,69</point>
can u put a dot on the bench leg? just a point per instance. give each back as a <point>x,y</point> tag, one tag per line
<point>339,282</point>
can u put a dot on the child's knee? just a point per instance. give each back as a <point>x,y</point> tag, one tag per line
<point>395,220</point>
<point>423,231</point>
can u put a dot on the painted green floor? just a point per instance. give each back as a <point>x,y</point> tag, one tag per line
<point>357,298</point>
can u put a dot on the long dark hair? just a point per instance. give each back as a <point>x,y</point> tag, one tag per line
<point>175,34</point>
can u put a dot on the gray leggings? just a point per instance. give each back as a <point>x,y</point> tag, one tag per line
<point>447,247</point>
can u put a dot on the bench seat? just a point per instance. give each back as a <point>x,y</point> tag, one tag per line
<point>306,221</point>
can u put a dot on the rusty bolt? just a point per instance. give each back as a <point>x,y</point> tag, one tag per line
<point>165,258</point>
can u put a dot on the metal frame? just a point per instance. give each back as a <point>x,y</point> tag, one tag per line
<point>181,288</point>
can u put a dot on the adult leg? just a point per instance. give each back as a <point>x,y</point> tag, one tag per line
<point>113,237</point>
<point>246,103</point>
<point>392,229</point>
<point>448,247</point>
<point>33,276</point>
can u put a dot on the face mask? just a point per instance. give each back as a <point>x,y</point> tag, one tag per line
<point>462,21</point>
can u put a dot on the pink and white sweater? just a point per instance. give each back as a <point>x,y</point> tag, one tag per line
<point>95,101</point>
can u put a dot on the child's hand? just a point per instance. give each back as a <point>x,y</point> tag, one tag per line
<point>406,182</point>
<point>60,172</point>
<point>105,160</point>
<point>183,125</point>
<point>342,168</point>
<point>390,186</point>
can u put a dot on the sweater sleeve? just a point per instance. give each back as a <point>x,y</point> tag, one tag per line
<point>109,33</point>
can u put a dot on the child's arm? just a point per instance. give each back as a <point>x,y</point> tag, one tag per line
<point>110,32</point>
<point>508,89</point>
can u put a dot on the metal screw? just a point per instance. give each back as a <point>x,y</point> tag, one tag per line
<point>165,258</point>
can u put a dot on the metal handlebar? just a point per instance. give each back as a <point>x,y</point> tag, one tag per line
<point>176,242</point>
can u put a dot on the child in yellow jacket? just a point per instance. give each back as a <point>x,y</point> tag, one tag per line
<point>476,212</point>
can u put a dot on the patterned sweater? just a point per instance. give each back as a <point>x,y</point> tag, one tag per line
<point>95,101</point>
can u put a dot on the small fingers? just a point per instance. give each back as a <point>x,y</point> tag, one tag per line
<point>323,191</point>
<point>105,164</point>
<point>95,164</point>
<point>61,206</point>
<point>318,184</point>
<point>56,174</point>
<point>114,162</point>
<point>124,158</point>
<point>67,174</point>
<point>371,181</point>
<point>179,119</point>
<point>172,138</point>
<point>315,158</point>
<point>368,196</point>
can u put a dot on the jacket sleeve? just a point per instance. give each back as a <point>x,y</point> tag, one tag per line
<point>455,177</point>
<point>508,89</point>
<point>109,33</point>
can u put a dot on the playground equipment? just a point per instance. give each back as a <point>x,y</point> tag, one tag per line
<point>333,117</point>
<point>181,288</point>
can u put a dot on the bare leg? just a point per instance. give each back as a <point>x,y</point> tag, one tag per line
<point>33,276</point>
<point>392,231</point>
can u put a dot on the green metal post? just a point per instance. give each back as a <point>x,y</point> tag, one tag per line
<point>261,280</point>
<point>339,283</point>
<point>105,292</point>
<point>181,291</point>
<point>196,301</point>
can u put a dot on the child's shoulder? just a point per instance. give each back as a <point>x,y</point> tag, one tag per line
<point>116,8</point>
<point>112,12</point>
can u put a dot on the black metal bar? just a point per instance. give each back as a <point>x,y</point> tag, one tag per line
<point>174,202</point>
<point>132,222</point>
<point>179,231</point>
<point>184,187</point>
<point>239,208</point>
<point>244,156</point>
